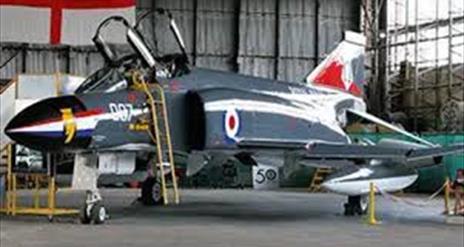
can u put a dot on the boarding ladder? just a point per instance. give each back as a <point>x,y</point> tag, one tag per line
<point>160,133</point>
<point>319,175</point>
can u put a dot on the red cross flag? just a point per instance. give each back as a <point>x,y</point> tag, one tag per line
<point>71,22</point>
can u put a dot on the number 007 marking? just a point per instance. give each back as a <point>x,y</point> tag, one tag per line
<point>121,112</point>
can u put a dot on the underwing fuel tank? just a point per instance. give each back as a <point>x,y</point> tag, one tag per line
<point>388,176</point>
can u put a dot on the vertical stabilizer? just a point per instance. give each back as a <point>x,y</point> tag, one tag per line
<point>343,69</point>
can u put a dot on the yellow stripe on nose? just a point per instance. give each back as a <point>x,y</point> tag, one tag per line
<point>69,124</point>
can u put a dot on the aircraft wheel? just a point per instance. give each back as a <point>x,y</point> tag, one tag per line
<point>363,205</point>
<point>98,213</point>
<point>84,215</point>
<point>151,192</point>
<point>356,205</point>
<point>349,210</point>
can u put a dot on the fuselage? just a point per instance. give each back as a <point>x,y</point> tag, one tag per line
<point>207,110</point>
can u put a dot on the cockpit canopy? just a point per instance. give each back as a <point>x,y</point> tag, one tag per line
<point>150,52</point>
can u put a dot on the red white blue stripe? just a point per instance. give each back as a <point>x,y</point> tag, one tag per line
<point>85,121</point>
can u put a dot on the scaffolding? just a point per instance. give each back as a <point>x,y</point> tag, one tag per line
<point>9,202</point>
<point>416,63</point>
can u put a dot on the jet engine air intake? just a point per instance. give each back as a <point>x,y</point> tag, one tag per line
<point>196,124</point>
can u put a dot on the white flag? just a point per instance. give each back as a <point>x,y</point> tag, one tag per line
<point>71,22</point>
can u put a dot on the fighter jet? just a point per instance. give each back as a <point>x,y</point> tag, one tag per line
<point>215,116</point>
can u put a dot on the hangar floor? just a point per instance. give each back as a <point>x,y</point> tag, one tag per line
<point>236,218</point>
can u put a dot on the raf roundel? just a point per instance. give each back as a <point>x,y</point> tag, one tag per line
<point>231,123</point>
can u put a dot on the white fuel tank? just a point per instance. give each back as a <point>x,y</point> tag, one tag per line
<point>388,177</point>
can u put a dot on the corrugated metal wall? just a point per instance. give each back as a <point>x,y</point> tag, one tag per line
<point>39,59</point>
<point>281,39</point>
<point>257,36</point>
<point>215,34</point>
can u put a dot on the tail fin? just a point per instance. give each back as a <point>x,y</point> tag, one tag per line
<point>343,69</point>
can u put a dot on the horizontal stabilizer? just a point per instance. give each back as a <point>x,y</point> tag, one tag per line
<point>390,126</point>
<point>435,152</point>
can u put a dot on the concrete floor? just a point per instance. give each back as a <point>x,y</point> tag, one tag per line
<point>237,218</point>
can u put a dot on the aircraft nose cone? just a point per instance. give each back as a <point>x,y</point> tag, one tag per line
<point>41,126</point>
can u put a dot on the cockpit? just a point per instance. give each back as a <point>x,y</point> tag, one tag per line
<point>147,54</point>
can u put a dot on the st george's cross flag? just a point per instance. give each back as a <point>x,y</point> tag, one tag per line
<point>70,22</point>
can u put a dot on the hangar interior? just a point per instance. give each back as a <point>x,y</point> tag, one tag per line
<point>414,78</point>
<point>414,68</point>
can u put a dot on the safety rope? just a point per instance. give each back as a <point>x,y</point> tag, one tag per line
<point>422,204</point>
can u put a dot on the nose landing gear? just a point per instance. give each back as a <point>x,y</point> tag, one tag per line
<point>93,209</point>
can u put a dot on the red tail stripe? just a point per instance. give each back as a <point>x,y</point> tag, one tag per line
<point>331,75</point>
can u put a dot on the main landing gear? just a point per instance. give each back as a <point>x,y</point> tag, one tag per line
<point>151,192</point>
<point>93,209</point>
<point>356,205</point>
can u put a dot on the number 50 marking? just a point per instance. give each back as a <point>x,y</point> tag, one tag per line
<point>262,175</point>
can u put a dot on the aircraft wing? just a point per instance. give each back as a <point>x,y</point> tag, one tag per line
<point>331,151</point>
<point>325,150</point>
<point>422,153</point>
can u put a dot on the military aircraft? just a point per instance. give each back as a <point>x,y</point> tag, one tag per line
<point>216,115</point>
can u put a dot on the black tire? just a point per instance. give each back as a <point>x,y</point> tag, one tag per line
<point>98,213</point>
<point>356,205</point>
<point>151,192</point>
<point>359,211</point>
<point>349,210</point>
<point>83,216</point>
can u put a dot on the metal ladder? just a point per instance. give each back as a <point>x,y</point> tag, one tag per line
<point>318,178</point>
<point>160,134</point>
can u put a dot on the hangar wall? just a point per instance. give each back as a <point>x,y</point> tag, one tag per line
<point>280,39</point>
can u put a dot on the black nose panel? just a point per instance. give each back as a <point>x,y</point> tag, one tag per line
<point>31,127</point>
